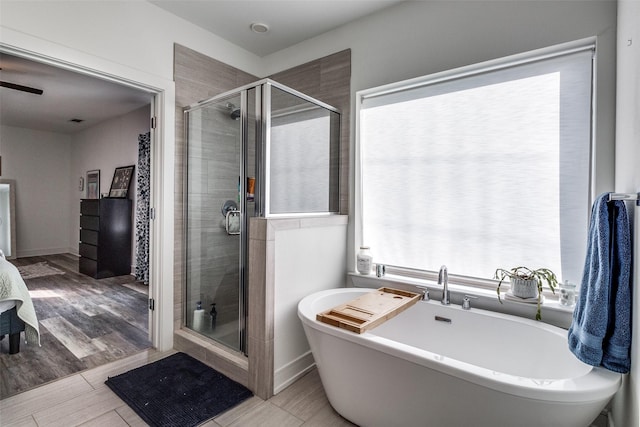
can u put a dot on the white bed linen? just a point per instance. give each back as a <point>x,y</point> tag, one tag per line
<point>7,305</point>
<point>14,290</point>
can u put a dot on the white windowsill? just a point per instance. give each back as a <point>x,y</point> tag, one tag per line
<point>552,311</point>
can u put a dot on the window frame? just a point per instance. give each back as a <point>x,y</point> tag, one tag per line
<point>596,178</point>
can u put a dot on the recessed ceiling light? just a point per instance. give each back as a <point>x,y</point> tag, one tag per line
<point>259,28</point>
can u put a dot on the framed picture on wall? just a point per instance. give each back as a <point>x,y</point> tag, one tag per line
<point>93,184</point>
<point>120,183</point>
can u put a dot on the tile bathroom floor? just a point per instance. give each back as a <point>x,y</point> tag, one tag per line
<point>84,399</point>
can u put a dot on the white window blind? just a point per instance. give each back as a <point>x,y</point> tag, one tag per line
<point>483,169</point>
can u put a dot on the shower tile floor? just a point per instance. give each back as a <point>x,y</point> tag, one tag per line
<point>83,398</point>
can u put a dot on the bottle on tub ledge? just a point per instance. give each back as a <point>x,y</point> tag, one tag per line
<point>568,293</point>
<point>364,260</point>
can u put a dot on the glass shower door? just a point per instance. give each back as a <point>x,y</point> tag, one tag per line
<point>278,154</point>
<point>214,221</point>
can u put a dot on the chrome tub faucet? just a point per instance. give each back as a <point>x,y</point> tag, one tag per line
<point>443,279</point>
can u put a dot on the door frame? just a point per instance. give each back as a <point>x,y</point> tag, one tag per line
<point>161,244</point>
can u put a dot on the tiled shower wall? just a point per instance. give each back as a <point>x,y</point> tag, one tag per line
<point>199,77</point>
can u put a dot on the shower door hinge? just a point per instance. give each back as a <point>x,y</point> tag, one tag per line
<point>152,304</point>
<point>152,213</point>
<point>153,122</point>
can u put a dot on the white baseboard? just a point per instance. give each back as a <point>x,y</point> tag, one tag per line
<point>41,252</point>
<point>292,371</point>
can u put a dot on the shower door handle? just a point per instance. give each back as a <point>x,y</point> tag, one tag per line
<point>232,222</point>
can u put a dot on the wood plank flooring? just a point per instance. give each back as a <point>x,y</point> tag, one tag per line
<point>84,323</point>
<point>83,399</point>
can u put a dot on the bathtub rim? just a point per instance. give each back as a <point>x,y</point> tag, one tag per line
<point>594,385</point>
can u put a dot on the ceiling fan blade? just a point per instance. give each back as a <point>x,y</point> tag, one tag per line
<point>21,88</point>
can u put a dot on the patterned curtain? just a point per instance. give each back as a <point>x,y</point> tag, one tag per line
<point>142,207</point>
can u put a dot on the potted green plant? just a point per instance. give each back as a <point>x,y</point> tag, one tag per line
<point>527,283</point>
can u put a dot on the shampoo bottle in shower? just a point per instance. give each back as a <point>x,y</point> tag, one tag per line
<point>198,317</point>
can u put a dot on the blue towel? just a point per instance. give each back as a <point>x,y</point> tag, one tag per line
<point>600,334</point>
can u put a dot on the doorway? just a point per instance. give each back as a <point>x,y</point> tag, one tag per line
<point>155,96</point>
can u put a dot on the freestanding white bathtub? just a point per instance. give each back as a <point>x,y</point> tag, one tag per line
<point>480,369</point>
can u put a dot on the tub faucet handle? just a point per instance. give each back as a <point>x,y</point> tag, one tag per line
<point>425,292</point>
<point>443,279</point>
<point>466,302</point>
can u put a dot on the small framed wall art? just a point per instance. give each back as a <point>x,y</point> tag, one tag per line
<point>93,184</point>
<point>120,183</point>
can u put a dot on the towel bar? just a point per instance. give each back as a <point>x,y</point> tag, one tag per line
<point>625,196</point>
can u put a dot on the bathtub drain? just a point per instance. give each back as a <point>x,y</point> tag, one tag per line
<point>443,319</point>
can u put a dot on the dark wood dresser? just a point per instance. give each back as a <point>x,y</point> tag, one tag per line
<point>105,237</point>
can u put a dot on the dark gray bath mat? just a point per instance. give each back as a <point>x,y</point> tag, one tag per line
<point>177,391</point>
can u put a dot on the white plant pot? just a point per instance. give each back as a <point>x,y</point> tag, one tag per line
<point>524,288</point>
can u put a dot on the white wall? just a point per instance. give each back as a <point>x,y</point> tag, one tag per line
<point>417,38</point>
<point>133,33</point>
<point>108,145</point>
<point>307,259</point>
<point>626,405</point>
<point>39,162</point>
<point>47,167</point>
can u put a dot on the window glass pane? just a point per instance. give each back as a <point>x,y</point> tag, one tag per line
<point>481,172</point>
<point>300,165</point>
<point>302,156</point>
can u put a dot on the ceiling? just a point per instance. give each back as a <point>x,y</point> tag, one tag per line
<point>69,95</point>
<point>290,22</point>
<point>66,96</point>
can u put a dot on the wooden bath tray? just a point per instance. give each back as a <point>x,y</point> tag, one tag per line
<point>369,310</point>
